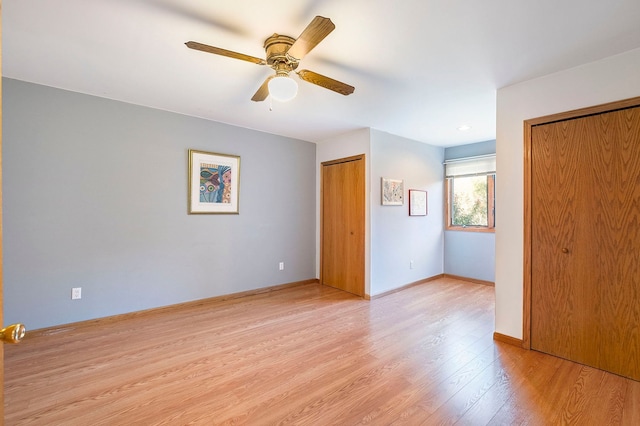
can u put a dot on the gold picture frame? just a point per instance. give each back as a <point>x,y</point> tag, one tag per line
<point>214,183</point>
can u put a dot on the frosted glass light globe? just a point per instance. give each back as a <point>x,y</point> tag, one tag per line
<point>283,88</point>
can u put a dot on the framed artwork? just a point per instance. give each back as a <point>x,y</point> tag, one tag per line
<point>214,183</point>
<point>417,202</point>
<point>392,192</point>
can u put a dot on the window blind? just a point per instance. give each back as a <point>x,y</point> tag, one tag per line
<point>469,166</point>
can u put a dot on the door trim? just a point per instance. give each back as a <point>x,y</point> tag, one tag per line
<point>528,125</point>
<point>1,256</point>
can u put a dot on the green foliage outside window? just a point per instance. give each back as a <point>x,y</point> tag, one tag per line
<point>470,201</point>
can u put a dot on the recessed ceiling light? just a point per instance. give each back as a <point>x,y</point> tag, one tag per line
<point>464,127</point>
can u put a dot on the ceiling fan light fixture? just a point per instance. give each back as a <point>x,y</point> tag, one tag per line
<point>283,88</point>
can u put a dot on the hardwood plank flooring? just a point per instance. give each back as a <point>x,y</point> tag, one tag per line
<point>309,355</point>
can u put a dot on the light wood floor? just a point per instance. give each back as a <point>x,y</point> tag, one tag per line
<point>309,355</point>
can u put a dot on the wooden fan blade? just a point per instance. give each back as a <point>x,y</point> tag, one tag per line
<point>315,32</point>
<point>263,91</point>
<point>326,82</point>
<point>218,51</point>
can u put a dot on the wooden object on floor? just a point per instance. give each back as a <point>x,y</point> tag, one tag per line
<point>309,355</point>
<point>507,339</point>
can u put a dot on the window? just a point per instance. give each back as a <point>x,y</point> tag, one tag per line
<point>470,194</point>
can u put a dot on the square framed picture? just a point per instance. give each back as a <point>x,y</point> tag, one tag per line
<point>392,192</point>
<point>417,202</point>
<point>214,183</point>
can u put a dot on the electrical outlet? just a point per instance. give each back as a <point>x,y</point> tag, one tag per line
<point>76,293</point>
<point>281,266</point>
<point>411,264</point>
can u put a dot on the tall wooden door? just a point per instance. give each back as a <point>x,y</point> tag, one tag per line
<point>585,240</point>
<point>342,224</point>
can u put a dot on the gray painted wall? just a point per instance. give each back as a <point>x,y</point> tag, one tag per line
<point>95,196</point>
<point>470,254</point>
<point>396,237</point>
<point>470,150</point>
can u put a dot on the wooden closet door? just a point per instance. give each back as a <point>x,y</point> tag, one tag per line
<point>560,247</point>
<point>585,236</point>
<point>342,230</point>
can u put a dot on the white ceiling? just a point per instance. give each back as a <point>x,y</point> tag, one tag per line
<point>421,68</point>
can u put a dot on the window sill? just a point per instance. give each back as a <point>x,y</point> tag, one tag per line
<point>471,229</point>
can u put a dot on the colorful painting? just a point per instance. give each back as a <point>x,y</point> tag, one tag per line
<point>392,192</point>
<point>214,181</point>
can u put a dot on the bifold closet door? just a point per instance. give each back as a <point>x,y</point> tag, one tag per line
<point>585,240</point>
<point>342,230</point>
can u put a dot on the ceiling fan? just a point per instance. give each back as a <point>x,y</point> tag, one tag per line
<point>283,54</point>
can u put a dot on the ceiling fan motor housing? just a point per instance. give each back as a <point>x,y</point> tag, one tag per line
<point>277,47</point>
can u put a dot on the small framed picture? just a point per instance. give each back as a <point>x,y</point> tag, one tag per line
<point>417,202</point>
<point>392,192</point>
<point>214,183</point>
